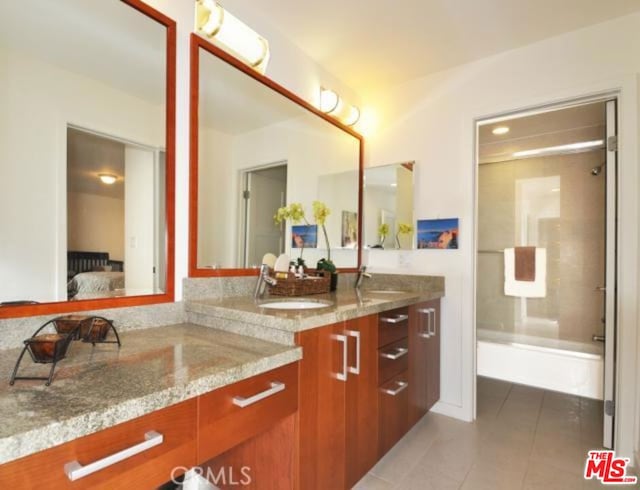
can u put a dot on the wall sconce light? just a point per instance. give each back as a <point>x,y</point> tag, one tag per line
<point>218,25</point>
<point>108,178</point>
<point>332,104</point>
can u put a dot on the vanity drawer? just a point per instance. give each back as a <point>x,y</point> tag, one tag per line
<point>235,413</point>
<point>174,426</point>
<point>393,359</point>
<point>394,411</point>
<point>393,325</point>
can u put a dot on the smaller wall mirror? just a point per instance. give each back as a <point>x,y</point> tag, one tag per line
<point>388,207</point>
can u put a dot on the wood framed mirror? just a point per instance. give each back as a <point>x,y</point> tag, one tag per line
<point>255,147</point>
<point>87,141</point>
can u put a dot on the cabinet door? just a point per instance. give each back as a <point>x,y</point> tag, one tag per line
<point>322,396</point>
<point>420,318</point>
<point>394,411</point>
<point>362,398</point>
<point>433,357</point>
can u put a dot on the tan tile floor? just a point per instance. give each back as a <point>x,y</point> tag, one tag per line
<point>523,438</point>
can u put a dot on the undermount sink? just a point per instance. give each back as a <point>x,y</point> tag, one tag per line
<point>302,304</point>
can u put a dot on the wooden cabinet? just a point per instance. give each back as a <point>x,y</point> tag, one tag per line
<point>424,358</point>
<point>147,469</point>
<point>248,419</point>
<point>242,410</point>
<point>338,408</point>
<point>361,398</point>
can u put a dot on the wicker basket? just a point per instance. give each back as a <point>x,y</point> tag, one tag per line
<point>293,286</point>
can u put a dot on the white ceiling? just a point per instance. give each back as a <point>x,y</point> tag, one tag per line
<point>370,44</point>
<point>89,155</point>
<point>108,41</point>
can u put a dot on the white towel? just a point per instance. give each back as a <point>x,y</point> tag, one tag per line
<point>525,289</point>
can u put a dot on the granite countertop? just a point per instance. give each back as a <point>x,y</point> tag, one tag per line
<point>98,387</point>
<point>341,305</point>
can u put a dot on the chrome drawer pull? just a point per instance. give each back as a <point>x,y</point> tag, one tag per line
<point>242,402</point>
<point>75,470</point>
<point>395,319</point>
<point>399,352</point>
<point>402,385</point>
<point>424,311</point>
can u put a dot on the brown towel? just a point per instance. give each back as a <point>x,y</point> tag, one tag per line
<point>525,263</point>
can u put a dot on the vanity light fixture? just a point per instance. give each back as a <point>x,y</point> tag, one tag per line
<point>500,130</point>
<point>331,103</point>
<point>219,26</point>
<point>583,145</point>
<point>108,178</point>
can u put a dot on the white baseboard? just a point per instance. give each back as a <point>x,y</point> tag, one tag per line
<point>453,411</point>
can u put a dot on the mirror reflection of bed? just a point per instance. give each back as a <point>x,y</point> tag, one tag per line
<point>111,194</point>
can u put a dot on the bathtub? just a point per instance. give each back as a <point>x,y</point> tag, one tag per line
<point>558,365</point>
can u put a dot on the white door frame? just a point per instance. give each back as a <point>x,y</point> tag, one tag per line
<point>612,306</point>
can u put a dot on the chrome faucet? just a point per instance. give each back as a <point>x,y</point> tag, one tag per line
<point>362,273</point>
<point>263,278</point>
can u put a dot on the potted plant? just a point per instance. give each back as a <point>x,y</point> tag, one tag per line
<point>383,231</point>
<point>403,229</point>
<point>320,213</point>
<point>294,213</point>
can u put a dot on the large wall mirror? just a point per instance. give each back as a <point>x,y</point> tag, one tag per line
<point>87,90</point>
<point>388,207</point>
<point>257,148</point>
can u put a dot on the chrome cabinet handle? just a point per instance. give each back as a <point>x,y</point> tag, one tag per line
<point>356,334</point>
<point>426,334</point>
<point>399,352</point>
<point>75,470</point>
<point>242,402</point>
<point>342,338</point>
<point>402,385</point>
<point>395,319</point>
<point>433,323</point>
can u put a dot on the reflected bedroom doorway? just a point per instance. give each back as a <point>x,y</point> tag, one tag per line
<point>546,194</point>
<point>116,233</point>
<point>264,190</point>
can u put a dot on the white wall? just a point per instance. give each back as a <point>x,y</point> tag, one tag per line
<point>322,164</point>
<point>38,101</point>
<point>138,220</point>
<point>431,120</point>
<point>95,224</point>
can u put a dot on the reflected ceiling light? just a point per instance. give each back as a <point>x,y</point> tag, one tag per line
<point>215,23</point>
<point>331,103</point>
<point>500,130</point>
<point>108,178</point>
<point>583,145</point>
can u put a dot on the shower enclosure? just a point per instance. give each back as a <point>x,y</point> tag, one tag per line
<point>545,186</point>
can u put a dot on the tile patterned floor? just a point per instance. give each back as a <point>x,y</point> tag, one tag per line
<point>523,438</point>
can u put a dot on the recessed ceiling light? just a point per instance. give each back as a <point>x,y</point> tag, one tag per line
<point>108,178</point>
<point>393,184</point>
<point>500,130</point>
<point>556,189</point>
<point>583,145</point>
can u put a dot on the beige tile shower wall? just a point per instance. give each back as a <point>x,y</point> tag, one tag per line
<point>574,238</point>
